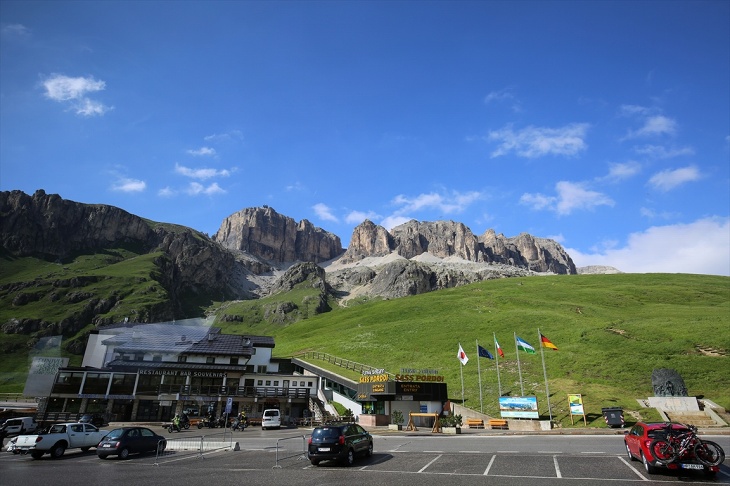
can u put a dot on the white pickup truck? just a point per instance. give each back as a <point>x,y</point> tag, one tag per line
<point>58,438</point>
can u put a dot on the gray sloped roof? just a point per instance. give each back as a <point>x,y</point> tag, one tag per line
<point>184,339</point>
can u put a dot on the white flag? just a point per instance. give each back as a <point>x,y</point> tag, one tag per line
<point>462,355</point>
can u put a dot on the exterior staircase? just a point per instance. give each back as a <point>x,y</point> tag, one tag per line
<point>699,419</point>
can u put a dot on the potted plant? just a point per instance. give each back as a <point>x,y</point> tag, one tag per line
<point>396,420</point>
<point>451,424</point>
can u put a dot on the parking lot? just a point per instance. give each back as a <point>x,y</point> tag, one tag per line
<point>277,458</point>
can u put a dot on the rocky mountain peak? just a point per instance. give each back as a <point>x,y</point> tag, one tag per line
<point>262,232</point>
<point>444,239</point>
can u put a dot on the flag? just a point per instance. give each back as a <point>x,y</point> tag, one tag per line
<point>499,348</point>
<point>462,355</point>
<point>546,343</point>
<point>484,353</point>
<point>524,346</point>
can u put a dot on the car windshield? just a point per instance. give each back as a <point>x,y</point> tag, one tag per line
<point>115,434</point>
<point>326,433</point>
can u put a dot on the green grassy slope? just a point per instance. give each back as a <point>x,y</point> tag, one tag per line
<point>611,331</point>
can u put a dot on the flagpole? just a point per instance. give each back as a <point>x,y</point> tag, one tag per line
<point>544,372</point>
<point>479,372</point>
<point>496,359</point>
<point>462,379</point>
<point>519,368</point>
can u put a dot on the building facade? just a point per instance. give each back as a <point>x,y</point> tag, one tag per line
<point>150,372</point>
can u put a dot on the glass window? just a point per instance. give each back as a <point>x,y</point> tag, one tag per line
<point>234,361</point>
<point>182,359</point>
<point>210,360</point>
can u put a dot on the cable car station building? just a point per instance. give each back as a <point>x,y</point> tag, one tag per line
<point>150,372</point>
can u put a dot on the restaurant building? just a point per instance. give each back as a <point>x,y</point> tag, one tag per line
<point>150,372</point>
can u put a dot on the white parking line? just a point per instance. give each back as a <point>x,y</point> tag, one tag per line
<point>432,461</point>
<point>489,466</point>
<point>557,467</point>
<point>644,478</point>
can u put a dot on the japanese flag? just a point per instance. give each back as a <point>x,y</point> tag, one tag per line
<point>462,355</point>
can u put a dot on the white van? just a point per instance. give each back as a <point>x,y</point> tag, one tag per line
<point>20,426</point>
<point>271,419</point>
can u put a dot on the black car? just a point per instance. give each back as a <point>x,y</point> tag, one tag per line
<point>127,440</point>
<point>95,419</point>
<point>340,442</point>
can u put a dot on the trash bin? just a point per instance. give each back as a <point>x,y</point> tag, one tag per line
<point>614,416</point>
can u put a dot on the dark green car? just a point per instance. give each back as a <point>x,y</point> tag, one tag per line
<point>339,442</point>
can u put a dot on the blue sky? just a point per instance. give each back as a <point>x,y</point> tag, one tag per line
<point>603,125</point>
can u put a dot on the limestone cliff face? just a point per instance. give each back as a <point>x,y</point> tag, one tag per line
<point>445,239</point>
<point>264,233</point>
<point>368,239</point>
<point>50,227</point>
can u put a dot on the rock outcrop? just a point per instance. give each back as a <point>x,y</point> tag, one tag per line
<point>189,263</point>
<point>266,234</point>
<point>444,239</point>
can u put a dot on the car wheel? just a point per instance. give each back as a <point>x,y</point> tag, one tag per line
<point>85,449</point>
<point>314,462</point>
<point>58,450</point>
<point>649,468</point>
<point>200,425</point>
<point>370,450</point>
<point>103,456</point>
<point>628,452</point>
<point>36,454</point>
<point>350,457</point>
<point>124,453</point>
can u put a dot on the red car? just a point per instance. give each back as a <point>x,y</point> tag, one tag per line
<point>638,439</point>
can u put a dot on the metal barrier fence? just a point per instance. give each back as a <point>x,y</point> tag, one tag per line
<point>301,455</point>
<point>194,445</point>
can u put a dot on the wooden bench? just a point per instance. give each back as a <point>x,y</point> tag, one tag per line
<point>474,423</point>
<point>498,424</point>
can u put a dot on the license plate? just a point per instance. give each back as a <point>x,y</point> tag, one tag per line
<point>106,445</point>
<point>324,449</point>
<point>692,466</point>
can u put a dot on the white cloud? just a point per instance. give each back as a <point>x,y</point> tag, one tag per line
<point>202,152</point>
<point>534,142</point>
<point>357,217</point>
<point>634,110</point>
<point>657,125</point>
<point>455,202</point>
<point>661,152</point>
<point>17,31</point>
<point>499,95</point>
<point>195,188</point>
<point>620,171</point>
<point>224,137</point>
<point>324,212</point>
<point>166,192</point>
<point>392,221</point>
<point>126,184</point>
<point>700,247</point>
<point>570,196</point>
<point>73,91</point>
<point>667,180</point>
<point>202,174</point>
